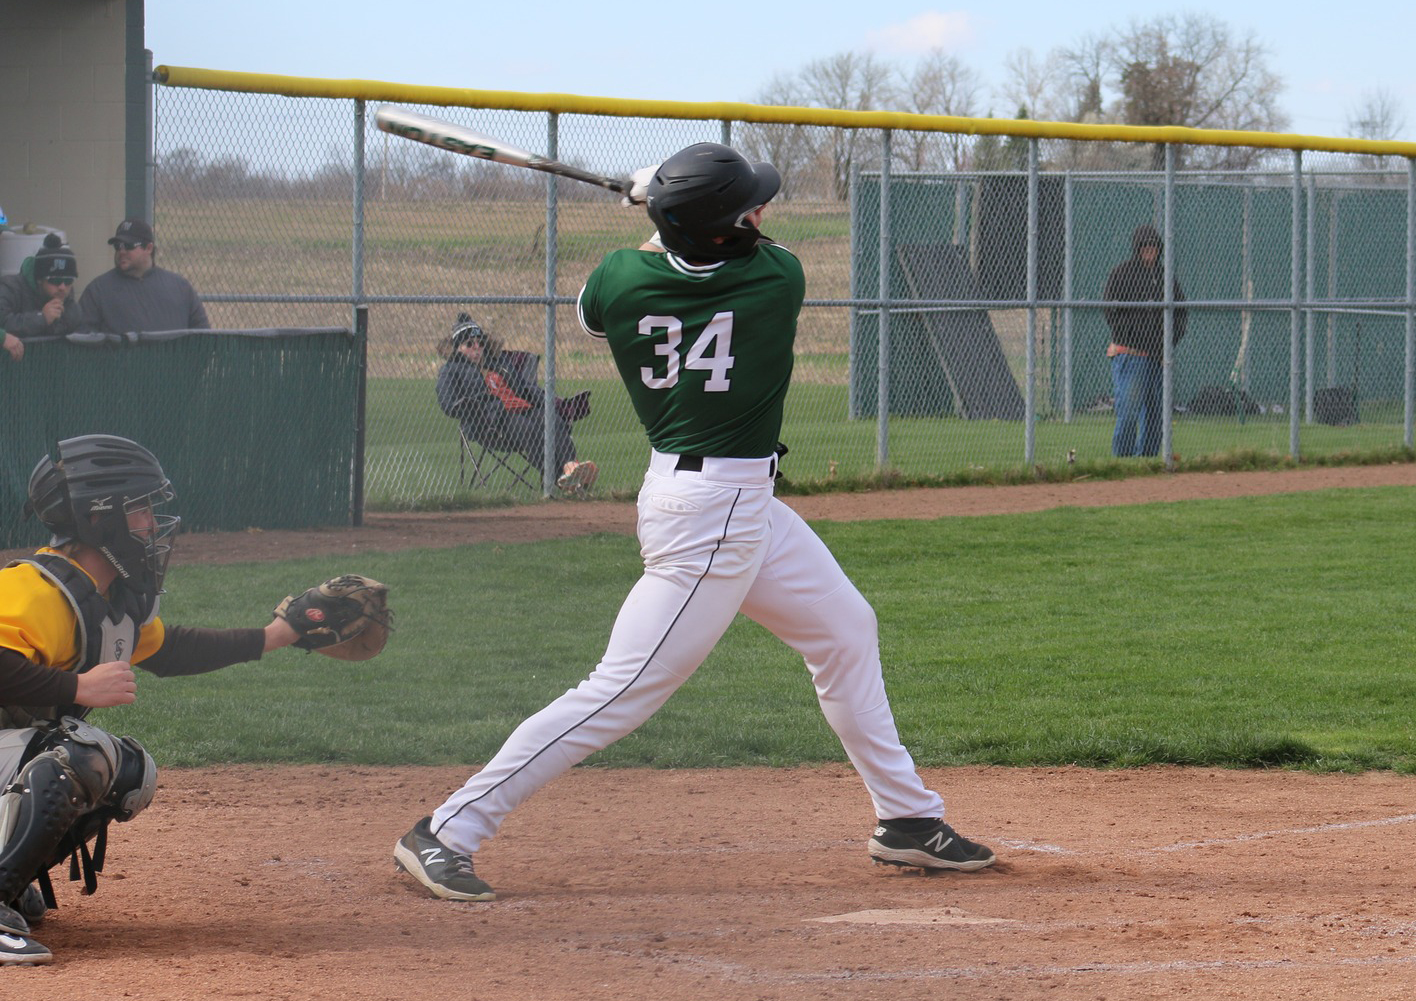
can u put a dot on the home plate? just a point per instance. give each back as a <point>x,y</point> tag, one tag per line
<point>913,916</point>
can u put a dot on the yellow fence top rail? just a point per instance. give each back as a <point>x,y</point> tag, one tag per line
<point>378,90</point>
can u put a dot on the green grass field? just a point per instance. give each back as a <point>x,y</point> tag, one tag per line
<point>412,449</point>
<point>1255,632</point>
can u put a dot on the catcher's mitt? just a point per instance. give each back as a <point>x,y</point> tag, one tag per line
<point>346,617</point>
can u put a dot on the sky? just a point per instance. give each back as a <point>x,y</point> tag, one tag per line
<point>730,50</point>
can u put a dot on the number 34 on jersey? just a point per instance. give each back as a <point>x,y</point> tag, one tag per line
<point>711,352</point>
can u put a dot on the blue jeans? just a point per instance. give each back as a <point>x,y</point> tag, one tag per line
<point>1139,391</point>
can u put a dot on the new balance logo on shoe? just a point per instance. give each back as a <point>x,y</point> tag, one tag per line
<point>445,873</point>
<point>936,846</point>
<point>939,842</point>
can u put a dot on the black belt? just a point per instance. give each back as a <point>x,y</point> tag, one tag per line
<point>689,463</point>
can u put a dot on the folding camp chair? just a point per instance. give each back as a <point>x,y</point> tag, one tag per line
<point>486,450</point>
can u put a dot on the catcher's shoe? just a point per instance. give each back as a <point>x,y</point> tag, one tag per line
<point>16,946</point>
<point>21,950</point>
<point>926,844</point>
<point>12,921</point>
<point>577,476</point>
<point>31,905</point>
<point>448,874</point>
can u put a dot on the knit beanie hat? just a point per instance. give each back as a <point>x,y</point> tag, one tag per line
<point>466,329</point>
<point>55,260</point>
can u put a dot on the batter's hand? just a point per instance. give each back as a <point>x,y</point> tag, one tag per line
<point>110,684</point>
<point>639,187</point>
<point>15,346</point>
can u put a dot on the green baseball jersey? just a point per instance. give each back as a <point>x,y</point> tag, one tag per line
<point>704,350</point>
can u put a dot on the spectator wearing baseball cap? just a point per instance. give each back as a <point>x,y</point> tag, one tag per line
<point>131,231</point>
<point>137,294</point>
<point>39,301</point>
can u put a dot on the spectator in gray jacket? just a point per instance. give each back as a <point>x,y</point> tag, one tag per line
<point>39,301</point>
<point>137,294</point>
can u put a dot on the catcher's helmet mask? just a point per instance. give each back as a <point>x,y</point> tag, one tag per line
<point>104,491</point>
<point>700,199</point>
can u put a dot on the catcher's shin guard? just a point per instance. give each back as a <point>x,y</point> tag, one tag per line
<point>36,812</point>
<point>135,783</point>
<point>81,778</point>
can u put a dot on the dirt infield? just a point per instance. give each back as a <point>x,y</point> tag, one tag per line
<point>748,884</point>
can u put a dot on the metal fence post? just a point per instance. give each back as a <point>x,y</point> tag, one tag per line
<point>1030,349</point>
<point>1410,383</point>
<point>882,367</point>
<point>548,451</point>
<point>1246,292</point>
<point>357,285</point>
<point>361,322</point>
<point>147,187</point>
<point>1296,312</point>
<point>1067,252</point>
<point>1309,291</point>
<point>356,491</point>
<point>1167,352</point>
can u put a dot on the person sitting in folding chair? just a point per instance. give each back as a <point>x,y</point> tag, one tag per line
<point>492,392</point>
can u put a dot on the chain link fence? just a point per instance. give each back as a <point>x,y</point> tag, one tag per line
<point>1297,275</point>
<point>237,417</point>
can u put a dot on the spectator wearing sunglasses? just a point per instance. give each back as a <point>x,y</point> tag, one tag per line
<point>137,294</point>
<point>39,301</point>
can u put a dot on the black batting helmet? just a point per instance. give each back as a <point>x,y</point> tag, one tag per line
<point>699,196</point>
<point>88,494</point>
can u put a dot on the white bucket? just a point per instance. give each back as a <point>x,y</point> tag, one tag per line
<point>16,245</point>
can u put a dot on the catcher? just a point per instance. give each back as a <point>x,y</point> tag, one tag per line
<point>74,618</point>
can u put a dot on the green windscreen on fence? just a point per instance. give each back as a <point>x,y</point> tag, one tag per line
<point>1233,244</point>
<point>255,428</point>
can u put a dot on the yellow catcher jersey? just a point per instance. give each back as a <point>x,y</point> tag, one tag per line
<point>37,621</point>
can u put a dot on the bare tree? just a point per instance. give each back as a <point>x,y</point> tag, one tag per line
<point>1191,70</point>
<point>1378,115</point>
<point>851,82</point>
<point>1084,66</point>
<point>1085,71</point>
<point>939,85</point>
<point>819,155</point>
<point>786,147</point>
<point>1038,84</point>
<point>1070,85</point>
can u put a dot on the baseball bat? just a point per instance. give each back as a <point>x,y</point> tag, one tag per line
<point>445,135</point>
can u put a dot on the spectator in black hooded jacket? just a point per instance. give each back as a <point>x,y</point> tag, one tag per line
<point>1138,344</point>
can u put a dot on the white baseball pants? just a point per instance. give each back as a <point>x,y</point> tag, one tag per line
<point>714,543</point>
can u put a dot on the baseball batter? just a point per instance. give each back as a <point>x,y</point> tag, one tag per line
<point>701,321</point>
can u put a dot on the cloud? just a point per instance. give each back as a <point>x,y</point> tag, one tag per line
<point>947,30</point>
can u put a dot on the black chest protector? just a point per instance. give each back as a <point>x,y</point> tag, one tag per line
<point>103,631</point>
